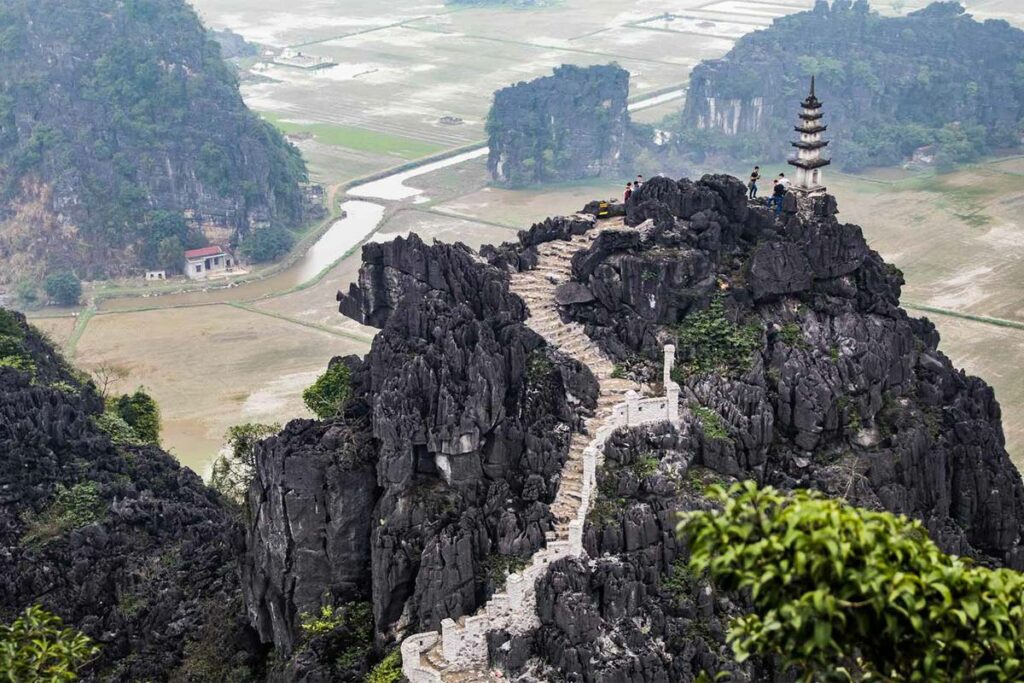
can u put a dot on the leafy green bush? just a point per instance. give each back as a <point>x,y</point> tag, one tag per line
<point>793,335</point>
<point>63,288</point>
<point>713,343</point>
<point>843,593</point>
<point>36,648</point>
<point>498,567</point>
<point>142,413</point>
<point>267,244</point>
<point>328,395</point>
<point>233,471</point>
<point>348,634</point>
<point>71,509</point>
<point>389,670</point>
<point>712,424</point>
<point>120,432</point>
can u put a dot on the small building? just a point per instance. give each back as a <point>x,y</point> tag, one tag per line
<point>808,161</point>
<point>156,275</point>
<point>207,262</point>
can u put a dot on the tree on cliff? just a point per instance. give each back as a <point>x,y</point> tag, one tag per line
<point>891,85</point>
<point>844,593</point>
<point>233,471</point>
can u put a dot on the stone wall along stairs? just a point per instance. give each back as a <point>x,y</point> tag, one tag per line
<point>458,654</point>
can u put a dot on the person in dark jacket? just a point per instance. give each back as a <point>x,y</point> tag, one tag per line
<point>752,185</point>
<point>778,194</point>
<point>629,193</point>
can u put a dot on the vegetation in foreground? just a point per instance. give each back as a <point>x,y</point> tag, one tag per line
<point>846,594</point>
<point>36,648</point>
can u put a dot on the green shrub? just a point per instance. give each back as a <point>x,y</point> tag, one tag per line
<point>36,648</point>
<point>844,593</point>
<point>389,670</point>
<point>498,567</point>
<point>233,471</point>
<point>142,413</point>
<point>119,431</point>
<point>71,509</point>
<point>714,344</point>
<point>267,244</point>
<point>63,288</point>
<point>712,424</point>
<point>793,335</point>
<point>328,395</point>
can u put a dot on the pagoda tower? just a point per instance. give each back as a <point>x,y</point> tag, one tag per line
<point>809,162</point>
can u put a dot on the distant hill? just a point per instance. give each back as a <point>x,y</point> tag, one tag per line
<point>572,125</point>
<point>890,86</point>
<point>121,128</point>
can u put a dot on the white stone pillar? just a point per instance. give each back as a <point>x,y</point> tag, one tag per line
<point>670,362</point>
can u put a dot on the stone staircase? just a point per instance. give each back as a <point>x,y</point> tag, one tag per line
<point>458,654</point>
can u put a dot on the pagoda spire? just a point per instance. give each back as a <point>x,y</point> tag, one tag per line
<point>808,161</point>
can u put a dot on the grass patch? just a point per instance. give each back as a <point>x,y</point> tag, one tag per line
<point>711,423</point>
<point>359,139</point>
<point>71,509</point>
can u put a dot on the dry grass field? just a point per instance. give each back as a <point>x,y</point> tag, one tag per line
<point>404,65</point>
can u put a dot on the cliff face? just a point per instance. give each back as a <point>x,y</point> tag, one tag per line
<point>890,85</point>
<point>118,540</point>
<point>119,120</point>
<point>824,383</point>
<point>568,126</point>
<point>440,473</point>
<point>798,369</point>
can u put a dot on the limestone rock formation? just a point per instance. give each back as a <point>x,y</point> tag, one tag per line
<point>569,126</point>
<point>118,540</point>
<point>121,124</point>
<point>891,85</point>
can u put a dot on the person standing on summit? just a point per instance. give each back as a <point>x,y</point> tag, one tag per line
<point>629,193</point>
<point>752,185</point>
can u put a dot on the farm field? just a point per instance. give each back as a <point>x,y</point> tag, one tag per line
<point>403,66</point>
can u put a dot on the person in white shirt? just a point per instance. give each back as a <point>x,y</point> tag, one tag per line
<point>786,182</point>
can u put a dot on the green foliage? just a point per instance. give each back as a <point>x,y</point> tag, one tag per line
<point>13,353</point>
<point>618,371</point>
<point>711,423</point>
<point>120,432</point>
<point>170,254</point>
<point>388,670</point>
<point>267,244</point>
<point>328,395</point>
<point>233,471</point>
<point>27,292</point>
<point>843,593</point>
<point>72,508</point>
<point>36,648</point>
<point>348,630</point>
<point>63,288</point>
<point>538,367</point>
<point>793,335</point>
<point>498,567</point>
<point>714,344</point>
<point>141,413</point>
<point>645,466</point>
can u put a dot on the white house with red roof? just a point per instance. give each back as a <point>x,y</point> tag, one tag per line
<point>207,262</point>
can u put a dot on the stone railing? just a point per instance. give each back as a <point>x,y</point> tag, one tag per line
<point>464,643</point>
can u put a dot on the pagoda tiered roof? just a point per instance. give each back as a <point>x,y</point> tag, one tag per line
<point>809,164</point>
<point>817,144</point>
<point>812,129</point>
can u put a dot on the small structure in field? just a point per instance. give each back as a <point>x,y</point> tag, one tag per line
<point>208,262</point>
<point>156,275</point>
